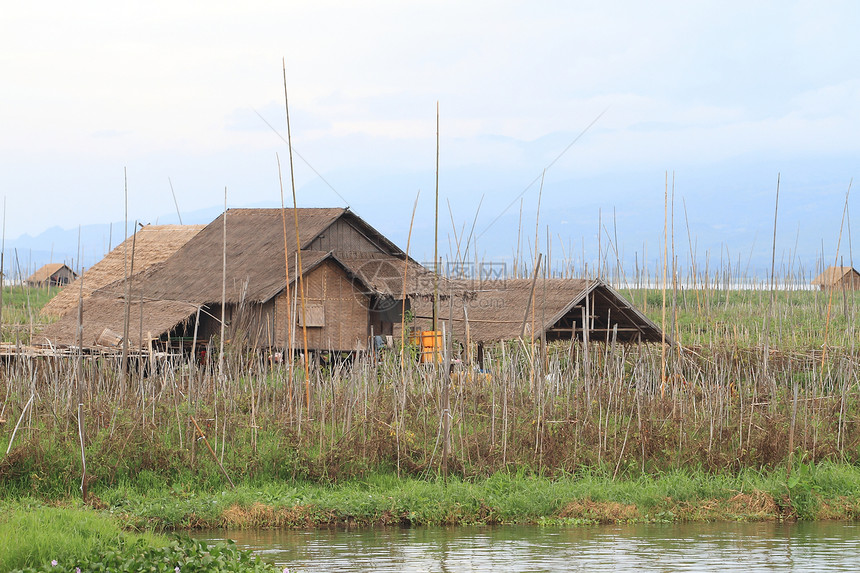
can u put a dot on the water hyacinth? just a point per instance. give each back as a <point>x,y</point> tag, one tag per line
<point>183,552</point>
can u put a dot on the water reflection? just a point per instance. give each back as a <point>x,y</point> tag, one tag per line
<point>685,547</point>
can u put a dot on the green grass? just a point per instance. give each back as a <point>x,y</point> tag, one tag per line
<point>21,306</point>
<point>32,534</point>
<point>599,437</point>
<point>826,490</point>
<point>798,318</point>
<point>37,538</point>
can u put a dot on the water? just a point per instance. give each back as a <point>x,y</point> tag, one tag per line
<point>749,547</point>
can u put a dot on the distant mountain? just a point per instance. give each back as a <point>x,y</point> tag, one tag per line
<point>723,213</point>
<point>57,245</point>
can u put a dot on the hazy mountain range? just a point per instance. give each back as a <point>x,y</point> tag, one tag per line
<point>723,214</point>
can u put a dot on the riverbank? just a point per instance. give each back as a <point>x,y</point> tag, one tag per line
<point>814,492</point>
<point>127,526</point>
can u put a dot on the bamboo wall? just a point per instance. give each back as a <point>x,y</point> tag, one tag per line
<point>344,312</point>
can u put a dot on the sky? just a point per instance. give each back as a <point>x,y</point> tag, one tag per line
<point>567,121</point>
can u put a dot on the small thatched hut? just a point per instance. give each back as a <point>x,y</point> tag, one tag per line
<point>150,245</point>
<point>846,278</point>
<point>552,308</point>
<point>52,274</point>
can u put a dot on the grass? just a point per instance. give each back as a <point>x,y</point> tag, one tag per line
<point>823,491</point>
<point>37,538</point>
<point>723,428</point>
<point>21,307</point>
<point>33,534</point>
<point>703,317</point>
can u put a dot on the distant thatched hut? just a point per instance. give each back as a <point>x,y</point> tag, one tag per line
<point>150,245</point>
<point>52,274</point>
<point>846,278</point>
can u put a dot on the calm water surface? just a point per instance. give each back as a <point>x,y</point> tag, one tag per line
<point>684,547</point>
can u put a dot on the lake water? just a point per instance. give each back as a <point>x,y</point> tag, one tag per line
<point>827,546</point>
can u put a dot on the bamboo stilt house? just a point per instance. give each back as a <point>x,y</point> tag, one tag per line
<point>354,281</point>
<point>352,278</point>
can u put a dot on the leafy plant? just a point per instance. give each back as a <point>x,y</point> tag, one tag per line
<point>181,555</point>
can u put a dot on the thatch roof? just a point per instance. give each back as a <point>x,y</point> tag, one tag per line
<point>255,257</point>
<point>101,311</point>
<point>104,309</point>
<point>46,272</point>
<point>152,244</point>
<point>498,310</point>
<point>833,275</point>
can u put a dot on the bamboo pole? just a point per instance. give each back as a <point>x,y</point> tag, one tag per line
<point>830,297</point>
<point>436,234</point>
<point>767,315</point>
<point>405,278</point>
<point>531,296</point>
<point>299,272</point>
<point>223,289</point>
<point>211,451</point>
<point>20,418</point>
<point>665,263</point>
<point>288,350</point>
<point>79,332</point>
<point>172,192</point>
<point>128,323</point>
<point>472,232</point>
<point>83,453</point>
<point>126,300</point>
<point>692,255</point>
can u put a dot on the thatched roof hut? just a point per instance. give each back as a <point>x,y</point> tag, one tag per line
<point>348,267</point>
<point>354,282</point>
<point>838,278</point>
<point>150,245</point>
<point>257,247</point>
<point>553,308</point>
<point>52,274</point>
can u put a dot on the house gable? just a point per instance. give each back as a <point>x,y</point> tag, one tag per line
<point>351,236</point>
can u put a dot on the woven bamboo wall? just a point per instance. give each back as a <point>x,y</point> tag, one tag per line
<point>330,293</point>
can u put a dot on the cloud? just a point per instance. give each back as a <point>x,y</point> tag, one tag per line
<point>109,133</point>
<point>726,94</point>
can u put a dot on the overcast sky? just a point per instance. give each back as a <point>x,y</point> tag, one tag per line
<point>724,95</point>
